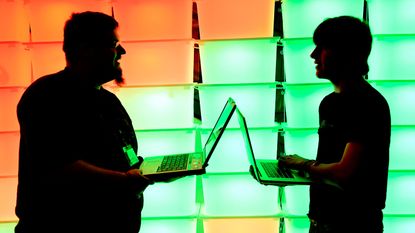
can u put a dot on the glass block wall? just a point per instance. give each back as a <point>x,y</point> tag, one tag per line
<point>238,58</point>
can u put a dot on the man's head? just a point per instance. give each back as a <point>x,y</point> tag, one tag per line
<point>91,45</point>
<point>343,45</point>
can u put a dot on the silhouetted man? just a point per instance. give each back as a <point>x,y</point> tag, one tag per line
<point>77,141</point>
<point>354,134</point>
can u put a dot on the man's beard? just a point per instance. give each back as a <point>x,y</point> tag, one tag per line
<point>118,76</point>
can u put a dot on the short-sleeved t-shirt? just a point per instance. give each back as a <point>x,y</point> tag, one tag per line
<point>363,117</point>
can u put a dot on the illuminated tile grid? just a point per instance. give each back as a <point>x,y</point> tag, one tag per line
<point>238,56</point>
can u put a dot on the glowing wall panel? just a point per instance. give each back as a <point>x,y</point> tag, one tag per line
<point>9,97</point>
<point>297,225</point>
<point>157,63</point>
<point>392,58</point>
<point>177,198</point>
<point>238,61</point>
<point>13,21</point>
<point>392,17</point>
<point>165,141</point>
<point>230,154</point>
<point>301,17</point>
<point>257,102</point>
<point>223,196</point>
<point>168,225</point>
<point>154,20</point>
<point>394,224</point>
<point>400,96</point>
<point>296,199</point>
<point>40,13</point>
<point>235,18</point>
<point>14,65</point>
<point>301,142</point>
<point>47,58</point>
<point>401,193</point>
<point>240,225</point>
<point>7,227</point>
<point>297,54</point>
<point>402,149</point>
<point>8,187</point>
<point>9,149</point>
<point>302,102</point>
<point>159,107</point>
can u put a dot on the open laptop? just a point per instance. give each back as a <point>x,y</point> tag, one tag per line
<point>167,167</point>
<point>266,170</point>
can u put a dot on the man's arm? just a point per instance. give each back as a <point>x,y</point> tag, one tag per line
<point>340,172</point>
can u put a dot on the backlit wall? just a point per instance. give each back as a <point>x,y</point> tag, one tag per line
<point>238,57</point>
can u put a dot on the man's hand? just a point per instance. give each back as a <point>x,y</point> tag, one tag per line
<point>295,162</point>
<point>137,181</point>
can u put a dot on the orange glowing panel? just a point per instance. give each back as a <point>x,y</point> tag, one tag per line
<point>9,149</point>
<point>147,63</point>
<point>13,21</point>
<point>154,20</point>
<point>9,97</point>
<point>47,58</point>
<point>47,17</point>
<point>241,225</point>
<point>8,187</point>
<point>14,65</point>
<point>219,19</point>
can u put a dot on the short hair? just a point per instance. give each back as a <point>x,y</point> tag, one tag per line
<point>85,29</point>
<point>349,37</point>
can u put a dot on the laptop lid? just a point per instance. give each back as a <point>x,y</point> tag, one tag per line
<point>247,141</point>
<point>217,131</point>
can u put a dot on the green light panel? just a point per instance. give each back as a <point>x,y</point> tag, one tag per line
<point>302,102</point>
<point>230,154</point>
<point>392,58</point>
<point>257,102</point>
<point>296,200</point>
<point>402,148</point>
<point>301,17</point>
<point>401,193</point>
<point>297,225</point>
<point>392,17</point>
<point>301,142</point>
<point>168,226</point>
<point>168,141</point>
<point>238,61</point>
<point>404,224</point>
<point>400,97</point>
<point>159,107</point>
<point>176,198</point>
<point>238,195</point>
<point>9,151</point>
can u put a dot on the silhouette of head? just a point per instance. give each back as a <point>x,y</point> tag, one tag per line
<point>347,42</point>
<point>91,45</point>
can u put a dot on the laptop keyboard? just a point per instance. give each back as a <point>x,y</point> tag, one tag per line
<point>273,170</point>
<point>175,162</point>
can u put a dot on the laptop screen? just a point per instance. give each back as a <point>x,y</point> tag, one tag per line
<point>220,126</point>
<point>248,146</point>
